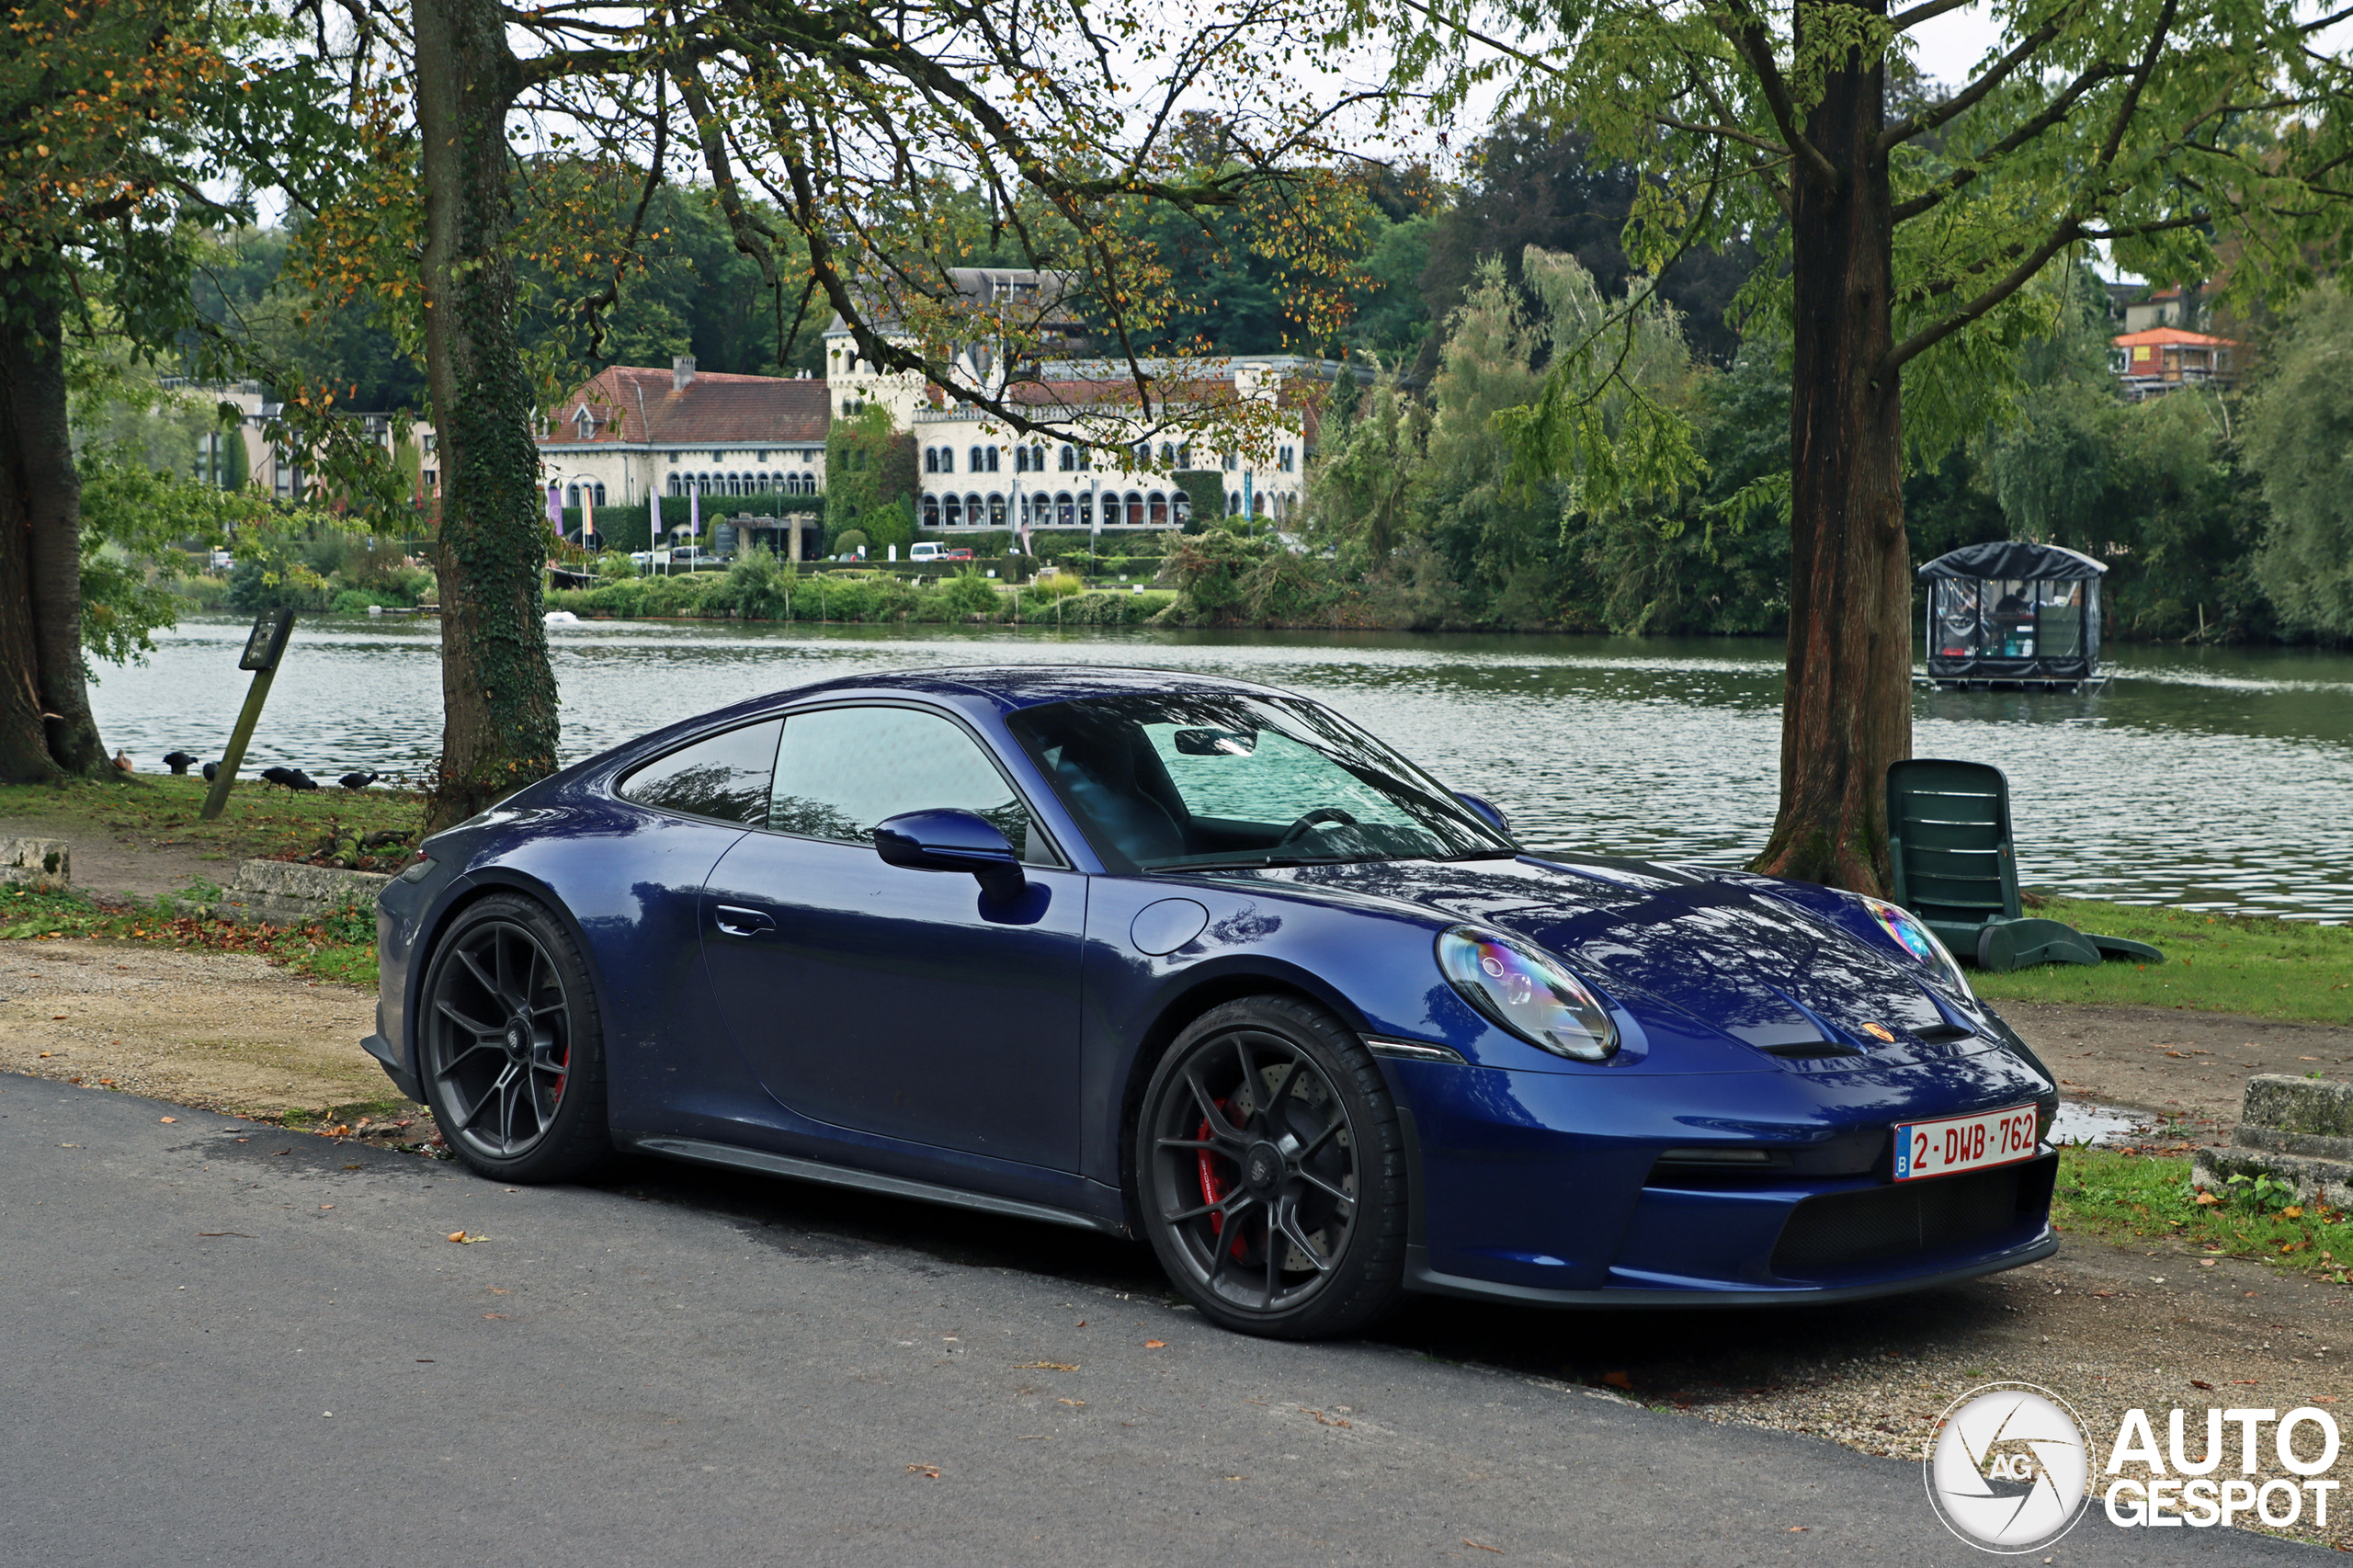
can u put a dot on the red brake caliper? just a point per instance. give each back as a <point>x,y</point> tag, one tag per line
<point>1214,1189</point>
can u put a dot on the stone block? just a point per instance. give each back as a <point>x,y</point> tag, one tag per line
<point>283,893</point>
<point>2298,1130</point>
<point>2313,1105</point>
<point>36,862</point>
<point>2316,1181</point>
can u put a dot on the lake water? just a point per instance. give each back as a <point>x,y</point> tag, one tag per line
<point>2215,779</point>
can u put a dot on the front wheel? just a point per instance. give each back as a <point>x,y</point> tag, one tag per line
<point>1271,1171</point>
<point>511,1048</point>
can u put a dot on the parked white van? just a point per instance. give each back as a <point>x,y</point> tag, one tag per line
<point>922,553</point>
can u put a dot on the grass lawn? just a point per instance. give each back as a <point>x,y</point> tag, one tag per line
<point>2107,1195</point>
<point>260,820</point>
<point>341,948</point>
<point>2219,963</point>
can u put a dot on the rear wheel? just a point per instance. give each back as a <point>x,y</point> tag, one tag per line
<point>1271,1171</point>
<point>512,1051</point>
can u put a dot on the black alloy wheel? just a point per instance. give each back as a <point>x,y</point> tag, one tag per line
<point>511,1050</point>
<point>1271,1171</point>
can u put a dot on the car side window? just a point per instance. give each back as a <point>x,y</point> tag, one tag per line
<point>841,770</point>
<point>724,777</point>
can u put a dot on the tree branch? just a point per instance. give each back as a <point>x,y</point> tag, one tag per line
<point>1968,97</point>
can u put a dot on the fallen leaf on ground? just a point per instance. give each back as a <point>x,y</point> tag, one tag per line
<point>932,1471</point>
<point>1046,1366</point>
<point>167,1119</point>
<point>2248,1381</point>
<point>2293,1210</point>
<point>1482,1545</point>
<point>1795,1529</point>
<point>1073,1404</point>
<point>493,1314</point>
<point>239,1234</point>
<point>55,1016</point>
<point>462,1236</point>
<point>324,1207</point>
<point>1155,1345</point>
<point>2201,1383</point>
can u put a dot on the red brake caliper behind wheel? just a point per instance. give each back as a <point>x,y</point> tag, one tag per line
<point>1214,1188</point>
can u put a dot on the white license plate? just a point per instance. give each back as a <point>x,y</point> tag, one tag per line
<point>1964,1142</point>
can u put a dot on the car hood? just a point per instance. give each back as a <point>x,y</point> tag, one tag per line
<point>1688,953</point>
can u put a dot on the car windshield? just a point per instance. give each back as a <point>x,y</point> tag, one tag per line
<point>1198,781</point>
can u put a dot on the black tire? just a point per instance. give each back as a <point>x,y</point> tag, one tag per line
<point>1277,1209</point>
<point>510,1045</point>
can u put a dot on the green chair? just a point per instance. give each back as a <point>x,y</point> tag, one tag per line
<point>1948,837</point>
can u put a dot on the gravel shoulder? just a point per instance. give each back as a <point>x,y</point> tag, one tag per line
<point>226,1031</point>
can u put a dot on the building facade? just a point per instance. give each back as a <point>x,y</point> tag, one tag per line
<point>2165,359</point>
<point>630,433</point>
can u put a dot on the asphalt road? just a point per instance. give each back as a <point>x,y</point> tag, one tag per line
<point>225,1344</point>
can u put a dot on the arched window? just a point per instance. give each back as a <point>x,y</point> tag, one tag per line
<point>954,510</point>
<point>1185,454</point>
<point>931,510</point>
<point>1142,452</point>
<point>572,497</point>
<point>1231,461</point>
<point>1086,510</point>
<point>948,459</point>
<point>1037,459</point>
<point>1258,504</point>
<point>974,466</point>
<point>1085,459</point>
<point>1159,514</point>
<point>975,513</point>
<point>1233,503</point>
<point>674,485</point>
<point>1180,507</point>
<point>1067,459</point>
<point>1168,454</point>
<point>1063,516</point>
<point>600,496</point>
<point>1021,459</point>
<point>931,459</point>
<point>997,505</point>
<point>993,452</point>
<point>1135,509</point>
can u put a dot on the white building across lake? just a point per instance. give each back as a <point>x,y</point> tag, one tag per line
<point>628,434</point>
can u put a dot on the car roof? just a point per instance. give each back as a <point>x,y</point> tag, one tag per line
<point>1010,688</point>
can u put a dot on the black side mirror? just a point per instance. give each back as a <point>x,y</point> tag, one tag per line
<point>1486,810</point>
<point>952,841</point>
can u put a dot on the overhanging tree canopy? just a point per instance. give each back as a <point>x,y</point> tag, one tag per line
<point>1909,254</point>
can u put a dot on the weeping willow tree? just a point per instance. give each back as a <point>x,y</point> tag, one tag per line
<point>1906,253</point>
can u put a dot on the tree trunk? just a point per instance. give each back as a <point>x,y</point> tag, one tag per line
<point>498,694</point>
<point>1847,703</point>
<point>47,731</point>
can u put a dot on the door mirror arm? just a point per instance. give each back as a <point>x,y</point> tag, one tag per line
<point>1486,810</point>
<point>952,841</point>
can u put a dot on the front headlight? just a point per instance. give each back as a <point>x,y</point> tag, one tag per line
<point>1520,989</point>
<point>1912,934</point>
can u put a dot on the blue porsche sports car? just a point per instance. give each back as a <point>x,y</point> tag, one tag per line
<point>1201,961</point>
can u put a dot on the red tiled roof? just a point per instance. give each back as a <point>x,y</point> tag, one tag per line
<point>634,403</point>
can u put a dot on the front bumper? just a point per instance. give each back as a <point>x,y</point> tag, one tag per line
<point>1548,1188</point>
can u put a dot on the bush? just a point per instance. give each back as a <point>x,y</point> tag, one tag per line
<point>756,587</point>
<point>849,541</point>
<point>968,593</point>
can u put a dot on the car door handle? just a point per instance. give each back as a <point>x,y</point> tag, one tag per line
<point>738,922</point>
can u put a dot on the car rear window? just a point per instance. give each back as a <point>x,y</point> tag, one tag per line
<point>724,776</point>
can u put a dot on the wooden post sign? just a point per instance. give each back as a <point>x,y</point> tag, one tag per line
<point>263,650</point>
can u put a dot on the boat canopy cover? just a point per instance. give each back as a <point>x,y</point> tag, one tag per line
<point>2015,559</point>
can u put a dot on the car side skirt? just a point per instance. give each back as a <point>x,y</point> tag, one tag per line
<point>702,1151</point>
<point>1420,1277</point>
